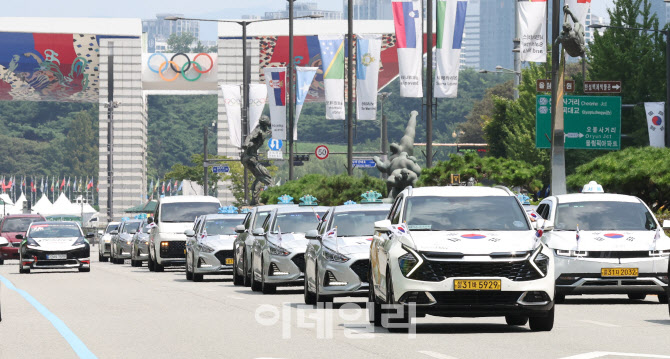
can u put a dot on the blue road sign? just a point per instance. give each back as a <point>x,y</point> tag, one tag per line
<point>220,169</point>
<point>363,163</point>
<point>275,144</point>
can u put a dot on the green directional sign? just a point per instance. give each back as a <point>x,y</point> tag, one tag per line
<point>591,122</point>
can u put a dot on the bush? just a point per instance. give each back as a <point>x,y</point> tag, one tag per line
<point>329,190</point>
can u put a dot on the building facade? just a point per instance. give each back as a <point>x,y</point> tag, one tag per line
<point>369,9</point>
<point>304,9</point>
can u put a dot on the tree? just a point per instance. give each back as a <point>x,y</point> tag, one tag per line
<point>181,43</point>
<point>329,190</point>
<point>643,172</point>
<point>81,146</point>
<point>482,111</point>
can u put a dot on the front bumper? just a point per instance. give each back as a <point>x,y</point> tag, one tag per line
<point>39,259</point>
<point>11,251</point>
<point>345,279</point>
<point>173,253</point>
<point>140,252</point>
<point>215,262</point>
<point>123,250</point>
<point>286,270</point>
<point>576,275</point>
<point>105,249</point>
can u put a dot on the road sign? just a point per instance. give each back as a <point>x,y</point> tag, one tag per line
<point>322,152</point>
<point>275,144</point>
<point>591,122</point>
<point>275,155</point>
<point>220,169</point>
<point>602,86</point>
<point>363,163</point>
<point>544,85</point>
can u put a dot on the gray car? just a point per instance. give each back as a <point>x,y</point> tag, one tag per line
<point>337,259</point>
<point>139,245</point>
<point>244,242</point>
<point>278,252</point>
<point>209,245</point>
<point>120,246</point>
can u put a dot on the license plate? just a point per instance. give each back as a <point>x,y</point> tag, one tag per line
<point>229,261</point>
<point>56,256</point>
<point>619,272</point>
<point>477,284</point>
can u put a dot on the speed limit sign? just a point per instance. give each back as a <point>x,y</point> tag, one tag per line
<point>322,152</point>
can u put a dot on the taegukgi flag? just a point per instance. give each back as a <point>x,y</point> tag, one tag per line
<point>450,26</point>
<point>258,94</point>
<point>368,48</point>
<point>232,101</point>
<point>579,8</point>
<point>532,18</point>
<point>408,31</point>
<point>275,78</point>
<point>304,78</point>
<point>332,62</point>
<point>656,122</point>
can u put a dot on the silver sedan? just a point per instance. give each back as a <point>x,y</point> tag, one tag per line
<point>209,245</point>
<point>139,245</point>
<point>120,248</point>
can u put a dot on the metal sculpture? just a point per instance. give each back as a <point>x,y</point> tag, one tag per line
<point>572,36</point>
<point>250,158</point>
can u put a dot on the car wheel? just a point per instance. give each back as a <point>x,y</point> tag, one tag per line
<point>189,274</point>
<point>265,287</point>
<point>2,261</point>
<point>246,279</point>
<point>158,267</point>
<point>85,270</point>
<point>255,286</point>
<point>21,269</point>
<point>542,324</point>
<point>320,298</point>
<point>309,296</point>
<point>237,279</point>
<point>663,298</point>
<point>637,296</point>
<point>395,324</point>
<point>374,308</point>
<point>150,264</point>
<point>559,298</point>
<point>516,319</point>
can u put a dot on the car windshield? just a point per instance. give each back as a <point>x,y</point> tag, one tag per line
<point>131,226</point>
<point>487,213</point>
<point>357,224</point>
<point>146,228</point>
<point>112,227</point>
<point>54,231</point>
<point>215,227</point>
<point>18,224</point>
<point>604,216</point>
<point>298,222</point>
<point>186,212</point>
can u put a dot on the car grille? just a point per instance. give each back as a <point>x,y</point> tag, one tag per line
<point>42,256</point>
<point>618,254</point>
<point>361,268</point>
<point>299,260</point>
<point>175,249</point>
<point>474,298</point>
<point>436,271</point>
<point>222,255</point>
<point>108,247</point>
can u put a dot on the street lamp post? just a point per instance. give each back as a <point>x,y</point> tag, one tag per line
<point>667,67</point>
<point>350,85</point>
<point>291,90</point>
<point>385,140</point>
<point>502,70</point>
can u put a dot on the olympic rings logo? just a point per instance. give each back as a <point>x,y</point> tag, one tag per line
<point>175,67</point>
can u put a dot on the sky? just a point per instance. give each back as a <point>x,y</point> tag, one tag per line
<point>147,9</point>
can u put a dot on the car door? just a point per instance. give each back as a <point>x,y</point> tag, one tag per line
<point>260,242</point>
<point>314,247</point>
<point>378,252</point>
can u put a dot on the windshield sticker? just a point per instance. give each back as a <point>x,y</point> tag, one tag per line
<point>473,236</point>
<point>613,235</point>
<point>518,224</point>
<point>420,226</point>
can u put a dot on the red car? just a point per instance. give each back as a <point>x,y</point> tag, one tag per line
<point>12,225</point>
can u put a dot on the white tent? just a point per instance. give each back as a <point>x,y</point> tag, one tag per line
<point>5,198</point>
<point>62,206</point>
<point>43,205</point>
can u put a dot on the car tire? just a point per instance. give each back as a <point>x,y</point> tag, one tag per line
<point>2,261</point>
<point>197,277</point>
<point>265,287</point>
<point>374,307</point>
<point>159,267</point>
<point>102,258</point>
<point>150,264</point>
<point>320,298</point>
<point>559,298</point>
<point>516,319</point>
<point>395,325</point>
<point>255,286</point>
<point>637,296</point>
<point>246,279</point>
<point>21,269</point>
<point>237,280</point>
<point>542,324</point>
<point>85,270</point>
<point>309,296</point>
<point>663,298</point>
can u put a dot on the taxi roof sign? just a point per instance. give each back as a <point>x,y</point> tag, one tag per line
<point>592,187</point>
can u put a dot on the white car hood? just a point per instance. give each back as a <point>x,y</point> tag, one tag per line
<point>290,241</point>
<point>606,240</point>
<point>474,242</point>
<point>220,242</point>
<point>177,228</point>
<point>55,244</point>
<point>349,245</point>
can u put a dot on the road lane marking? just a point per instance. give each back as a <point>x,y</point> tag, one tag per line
<point>600,323</point>
<point>77,345</point>
<point>594,355</point>
<point>436,355</point>
<point>235,297</point>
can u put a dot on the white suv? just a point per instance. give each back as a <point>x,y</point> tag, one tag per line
<point>460,252</point>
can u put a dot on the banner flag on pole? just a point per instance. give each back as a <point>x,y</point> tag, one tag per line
<point>408,30</point>
<point>304,78</point>
<point>275,78</point>
<point>232,100</point>
<point>532,18</point>
<point>450,26</point>
<point>368,48</point>
<point>656,122</point>
<point>258,94</point>
<point>332,55</point>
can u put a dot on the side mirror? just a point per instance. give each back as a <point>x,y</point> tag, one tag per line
<point>101,233</point>
<point>3,242</point>
<point>133,231</point>
<point>240,228</point>
<point>19,236</point>
<point>258,232</point>
<point>383,225</point>
<point>666,224</point>
<point>150,220</point>
<point>90,235</point>
<point>312,234</point>
<point>114,232</point>
<point>189,233</point>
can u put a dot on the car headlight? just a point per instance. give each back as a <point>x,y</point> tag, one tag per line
<point>334,256</point>
<point>32,242</point>
<point>570,253</point>
<point>660,253</point>
<point>205,248</point>
<point>107,240</point>
<point>277,250</point>
<point>80,241</point>
<point>540,261</point>
<point>409,261</point>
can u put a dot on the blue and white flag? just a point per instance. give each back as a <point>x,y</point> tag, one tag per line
<point>275,78</point>
<point>304,78</point>
<point>369,48</point>
<point>408,24</point>
<point>332,56</point>
<point>450,26</point>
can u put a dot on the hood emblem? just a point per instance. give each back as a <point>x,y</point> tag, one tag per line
<point>493,239</point>
<point>454,239</point>
<point>630,239</point>
<point>600,239</point>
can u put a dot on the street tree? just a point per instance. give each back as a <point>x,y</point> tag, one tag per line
<point>181,43</point>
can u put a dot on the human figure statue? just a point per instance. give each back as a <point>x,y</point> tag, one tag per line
<point>250,158</point>
<point>572,36</point>
<point>401,166</point>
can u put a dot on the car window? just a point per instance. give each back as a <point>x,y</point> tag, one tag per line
<point>112,227</point>
<point>260,219</point>
<point>18,224</point>
<point>394,213</point>
<point>266,223</point>
<point>186,211</point>
<point>542,209</point>
<point>129,226</point>
<point>46,231</point>
<point>604,216</point>
<point>247,221</point>
<point>357,223</point>
<point>222,226</point>
<point>324,224</point>
<point>296,222</point>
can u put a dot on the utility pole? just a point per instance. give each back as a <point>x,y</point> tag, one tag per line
<point>384,126</point>
<point>291,90</point>
<point>246,79</point>
<point>516,51</point>
<point>558,185</point>
<point>350,92</point>
<point>111,105</point>
<point>429,85</point>
<point>205,177</point>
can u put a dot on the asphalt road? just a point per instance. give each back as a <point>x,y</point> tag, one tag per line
<point>117,311</point>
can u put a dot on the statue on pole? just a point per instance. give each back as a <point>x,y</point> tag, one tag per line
<point>401,166</point>
<point>250,158</point>
<point>572,36</point>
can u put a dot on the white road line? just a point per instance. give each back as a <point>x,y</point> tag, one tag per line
<point>600,323</point>
<point>594,355</point>
<point>235,297</point>
<point>436,355</point>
